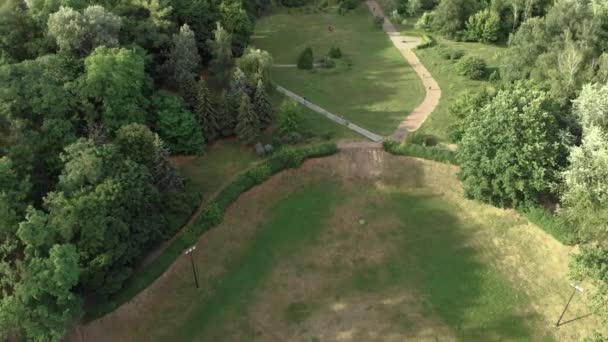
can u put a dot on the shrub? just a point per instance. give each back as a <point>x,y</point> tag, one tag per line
<point>426,21</point>
<point>550,223</point>
<point>306,59</point>
<point>259,173</point>
<point>294,3</point>
<point>483,26</point>
<point>427,42</point>
<point>472,67</point>
<point>346,5</point>
<point>326,63</point>
<point>335,52</point>
<point>422,139</point>
<point>289,117</point>
<point>378,22</point>
<point>431,152</point>
<point>451,54</point>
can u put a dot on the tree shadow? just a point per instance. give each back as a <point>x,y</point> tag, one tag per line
<point>435,257</point>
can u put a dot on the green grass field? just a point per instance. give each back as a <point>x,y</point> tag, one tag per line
<point>377,92</point>
<point>291,261</point>
<point>453,85</point>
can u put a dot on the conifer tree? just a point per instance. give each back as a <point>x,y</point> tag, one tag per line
<point>206,114</point>
<point>248,125</point>
<point>166,177</point>
<point>261,104</point>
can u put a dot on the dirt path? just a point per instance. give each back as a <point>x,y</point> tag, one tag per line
<point>405,44</point>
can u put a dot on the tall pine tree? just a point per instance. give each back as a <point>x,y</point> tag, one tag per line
<point>261,104</point>
<point>248,125</point>
<point>206,114</point>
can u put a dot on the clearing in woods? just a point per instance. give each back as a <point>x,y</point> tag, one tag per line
<point>359,246</point>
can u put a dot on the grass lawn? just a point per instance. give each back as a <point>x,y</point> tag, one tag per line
<point>377,92</point>
<point>453,85</point>
<point>292,262</point>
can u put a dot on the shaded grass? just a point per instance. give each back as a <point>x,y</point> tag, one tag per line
<point>293,223</point>
<point>436,257</point>
<point>377,92</point>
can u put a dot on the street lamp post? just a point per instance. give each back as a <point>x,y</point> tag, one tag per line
<point>576,289</point>
<point>190,251</point>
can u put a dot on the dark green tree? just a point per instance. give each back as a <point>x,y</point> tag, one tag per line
<point>184,58</point>
<point>248,124</point>
<point>205,112</point>
<point>306,59</point>
<point>261,105</point>
<point>176,124</point>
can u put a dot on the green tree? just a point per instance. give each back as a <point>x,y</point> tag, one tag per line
<point>306,59</point>
<point>289,117</point>
<point>184,58</point>
<point>206,114</point>
<point>465,106</point>
<point>472,67</point>
<point>221,50</point>
<point>248,123</point>
<point>257,65</point>
<point>42,303</point>
<point>137,142</point>
<point>450,16</point>
<point>262,105</point>
<point>236,20</point>
<point>585,197</point>
<point>20,38</point>
<point>511,152</point>
<point>177,125</point>
<point>83,32</point>
<point>483,26</point>
<point>113,82</point>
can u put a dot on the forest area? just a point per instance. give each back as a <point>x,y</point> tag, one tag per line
<point>96,96</point>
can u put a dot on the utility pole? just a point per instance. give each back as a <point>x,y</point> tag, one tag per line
<point>190,251</point>
<point>576,289</point>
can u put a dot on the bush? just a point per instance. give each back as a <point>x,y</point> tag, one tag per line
<point>346,5</point>
<point>432,152</point>
<point>327,63</point>
<point>378,22</point>
<point>289,117</point>
<point>335,52</point>
<point>294,3</point>
<point>426,21</point>
<point>259,174</point>
<point>422,139</point>
<point>306,59</point>
<point>451,54</point>
<point>427,42</point>
<point>472,67</point>
<point>483,26</point>
<point>550,223</point>
<point>210,217</point>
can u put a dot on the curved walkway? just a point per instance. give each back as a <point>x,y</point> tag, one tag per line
<point>405,45</point>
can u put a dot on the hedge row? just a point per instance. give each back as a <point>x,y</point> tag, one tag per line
<point>425,152</point>
<point>211,216</point>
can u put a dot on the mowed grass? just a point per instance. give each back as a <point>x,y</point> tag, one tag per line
<point>292,262</point>
<point>452,84</point>
<point>377,92</point>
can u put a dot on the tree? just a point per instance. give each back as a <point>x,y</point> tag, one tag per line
<point>585,197</point>
<point>236,20</point>
<point>42,303</point>
<point>289,117</point>
<point>221,50</point>
<point>257,65</point>
<point>184,58</point>
<point>483,26</point>
<point>512,151</point>
<point>205,112</point>
<point>248,123</point>
<point>166,176</point>
<point>113,82</point>
<point>176,125</point>
<point>472,67</point>
<point>137,142</point>
<point>262,105</point>
<point>465,106</point>
<point>306,59</point>
<point>83,32</point>
<point>20,38</point>
<point>450,16</point>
